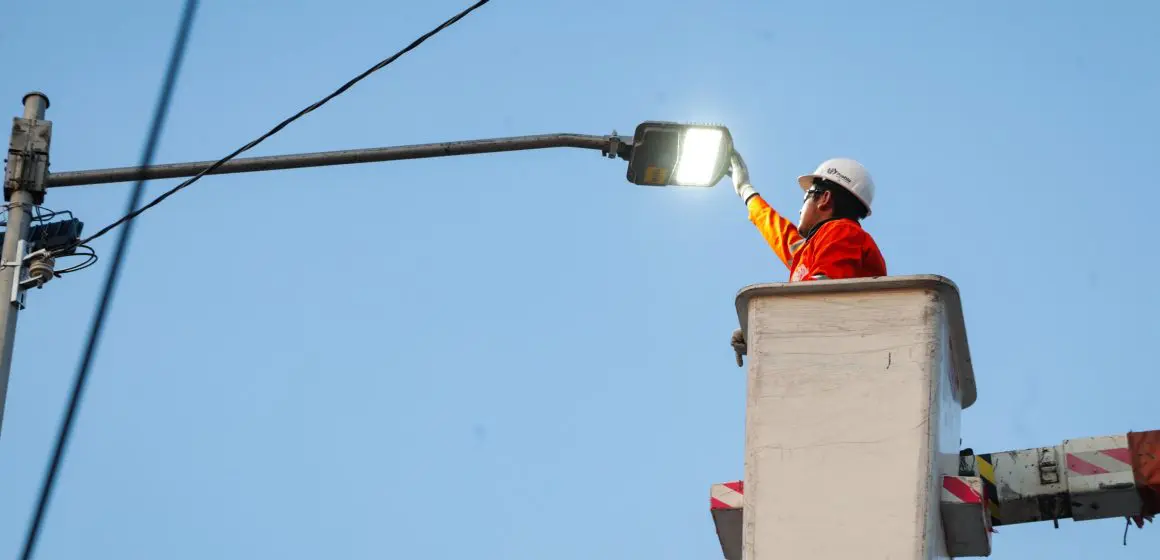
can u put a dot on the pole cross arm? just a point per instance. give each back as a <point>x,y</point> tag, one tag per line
<point>611,146</point>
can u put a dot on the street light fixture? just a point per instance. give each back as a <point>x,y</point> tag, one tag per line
<point>674,154</point>
<point>660,154</point>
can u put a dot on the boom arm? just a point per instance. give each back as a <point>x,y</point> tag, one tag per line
<point>1082,479</point>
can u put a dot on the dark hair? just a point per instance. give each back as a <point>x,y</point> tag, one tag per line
<point>846,205</point>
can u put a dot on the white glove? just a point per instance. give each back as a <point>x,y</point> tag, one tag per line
<point>738,343</point>
<point>740,175</point>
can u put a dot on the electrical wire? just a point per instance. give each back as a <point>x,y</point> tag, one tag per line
<point>44,214</point>
<point>90,261</point>
<point>284,123</point>
<point>96,328</point>
<point>161,110</point>
<point>40,214</point>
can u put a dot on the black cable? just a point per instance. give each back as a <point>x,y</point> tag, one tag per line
<point>40,214</point>
<point>54,213</point>
<point>159,113</point>
<point>90,261</point>
<point>284,123</point>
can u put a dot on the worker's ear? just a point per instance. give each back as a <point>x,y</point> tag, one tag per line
<point>826,201</point>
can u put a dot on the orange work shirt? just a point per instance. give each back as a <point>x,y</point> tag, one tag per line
<point>837,249</point>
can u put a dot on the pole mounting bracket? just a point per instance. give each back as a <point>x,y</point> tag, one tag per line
<point>27,165</point>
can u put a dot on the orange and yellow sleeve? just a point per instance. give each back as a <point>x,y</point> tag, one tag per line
<point>780,233</point>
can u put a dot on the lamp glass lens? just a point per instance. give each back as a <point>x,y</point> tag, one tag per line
<point>700,150</point>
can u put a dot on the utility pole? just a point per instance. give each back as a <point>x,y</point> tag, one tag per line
<point>24,183</point>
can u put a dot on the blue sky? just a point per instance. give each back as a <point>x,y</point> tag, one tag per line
<point>522,355</point>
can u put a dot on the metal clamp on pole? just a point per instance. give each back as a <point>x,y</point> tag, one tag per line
<point>15,268</point>
<point>28,270</point>
<point>617,147</point>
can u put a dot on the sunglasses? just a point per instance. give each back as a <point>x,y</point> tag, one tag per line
<point>819,186</point>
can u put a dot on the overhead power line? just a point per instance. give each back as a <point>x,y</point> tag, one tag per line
<point>160,111</point>
<point>284,123</point>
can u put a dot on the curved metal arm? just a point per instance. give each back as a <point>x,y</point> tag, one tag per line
<point>611,146</point>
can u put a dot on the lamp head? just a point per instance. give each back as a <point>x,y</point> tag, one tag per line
<point>674,154</point>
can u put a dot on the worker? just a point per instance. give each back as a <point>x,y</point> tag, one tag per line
<point>828,243</point>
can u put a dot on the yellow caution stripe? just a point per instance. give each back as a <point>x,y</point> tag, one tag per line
<point>986,466</point>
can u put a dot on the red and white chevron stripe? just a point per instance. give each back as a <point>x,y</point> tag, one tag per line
<point>728,495</point>
<point>1098,455</point>
<point>962,490</point>
<point>1100,462</point>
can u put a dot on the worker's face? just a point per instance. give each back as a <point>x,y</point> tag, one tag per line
<point>814,208</point>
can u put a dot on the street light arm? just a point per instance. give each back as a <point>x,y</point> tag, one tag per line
<point>611,146</point>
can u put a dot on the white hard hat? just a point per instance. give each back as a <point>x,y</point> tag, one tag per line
<point>847,173</point>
